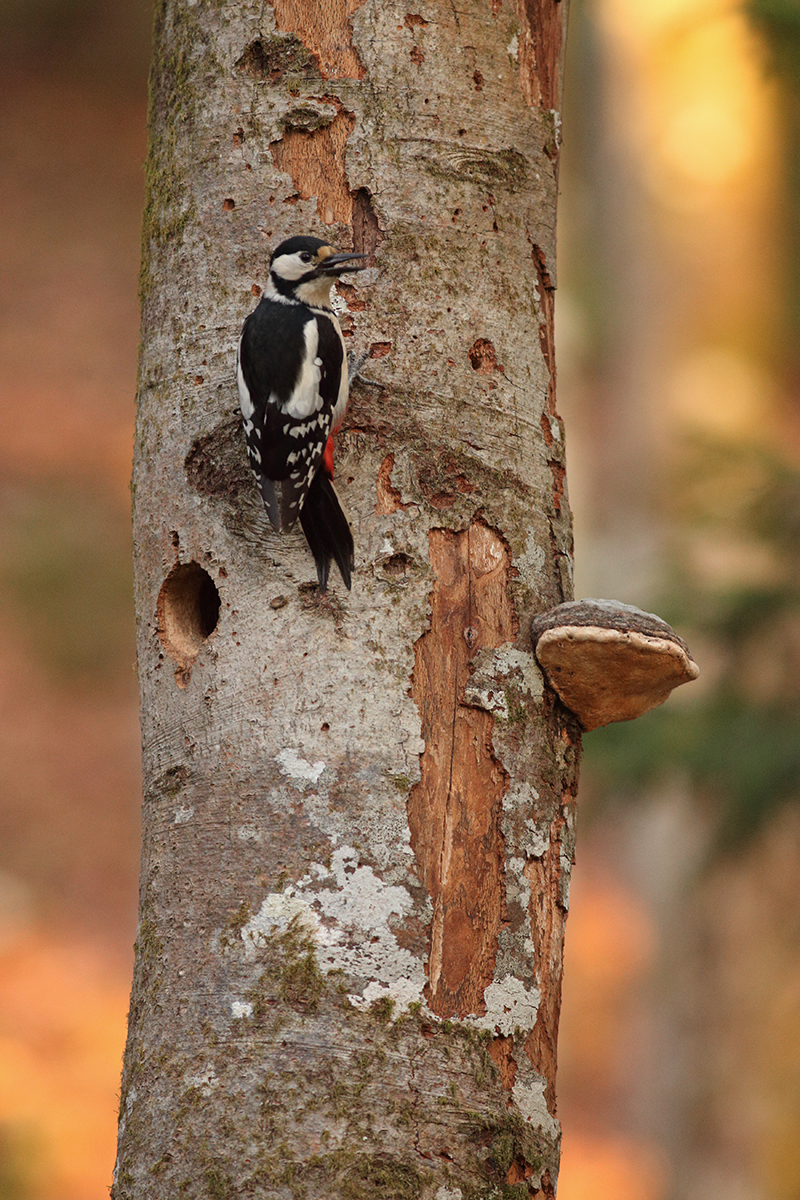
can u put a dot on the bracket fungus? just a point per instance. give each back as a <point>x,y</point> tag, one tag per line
<point>608,661</point>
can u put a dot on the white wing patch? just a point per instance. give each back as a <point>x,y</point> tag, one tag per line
<point>245,402</point>
<point>305,399</point>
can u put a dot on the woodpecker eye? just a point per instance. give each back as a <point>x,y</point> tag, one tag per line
<point>305,256</point>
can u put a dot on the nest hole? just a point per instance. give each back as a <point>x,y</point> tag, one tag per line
<point>188,612</point>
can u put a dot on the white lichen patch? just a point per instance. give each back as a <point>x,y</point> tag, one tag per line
<point>508,661</point>
<point>488,697</point>
<point>565,861</point>
<point>529,1099</point>
<point>278,911</point>
<point>249,833</point>
<point>346,909</point>
<point>445,1193</point>
<point>524,795</point>
<point>358,911</point>
<point>512,49</point>
<point>510,1006</point>
<point>205,1081</point>
<point>539,842</point>
<point>517,886</point>
<point>485,687</point>
<point>295,767</point>
<point>529,838</point>
<point>241,1008</point>
<point>183,815</point>
<point>532,562</point>
<point>404,992</point>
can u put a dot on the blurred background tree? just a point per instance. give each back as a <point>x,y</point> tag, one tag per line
<point>72,117</point>
<point>677,316</point>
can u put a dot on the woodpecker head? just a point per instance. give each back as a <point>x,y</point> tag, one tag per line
<point>304,268</point>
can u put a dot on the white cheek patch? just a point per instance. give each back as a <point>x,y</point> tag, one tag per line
<point>290,266</point>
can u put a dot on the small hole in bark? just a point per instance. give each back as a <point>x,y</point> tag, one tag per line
<point>397,566</point>
<point>188,613</point>
<point>229,204</point>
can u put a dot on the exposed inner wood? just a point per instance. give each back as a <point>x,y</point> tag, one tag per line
<point>540,50</point>
<point>546,290</point>
<point>546,1190</point>
<point>387,496</point>
<point>483,357</point>
<point>501,1051</point>
<point>367,234</point>
<point>315,159</point>
<point>324,28</point>
<point>455,809</point>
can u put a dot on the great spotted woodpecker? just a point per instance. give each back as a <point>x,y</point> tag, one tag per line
<point>292,376</point>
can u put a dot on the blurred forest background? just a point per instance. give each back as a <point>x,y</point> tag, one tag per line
<point>678,314</point>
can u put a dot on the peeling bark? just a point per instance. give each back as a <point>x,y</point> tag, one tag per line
<point>358,808</point>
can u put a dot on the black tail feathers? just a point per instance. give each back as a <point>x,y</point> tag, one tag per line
<point>327,530</point>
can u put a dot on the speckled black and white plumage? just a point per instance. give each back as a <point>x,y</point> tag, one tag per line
<point>292,379</point>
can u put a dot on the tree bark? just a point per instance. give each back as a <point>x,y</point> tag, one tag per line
<point>358,809</point>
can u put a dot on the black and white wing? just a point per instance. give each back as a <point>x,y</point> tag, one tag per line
<point>289,376</point>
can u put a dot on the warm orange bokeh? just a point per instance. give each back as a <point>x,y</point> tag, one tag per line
<point>69,747</point>
<point>62,1028</point>
<point>614,1167</point>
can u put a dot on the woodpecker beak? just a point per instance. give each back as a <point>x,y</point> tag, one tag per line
<point>333,264</point>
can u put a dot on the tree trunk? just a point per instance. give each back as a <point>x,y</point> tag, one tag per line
<point>358,809</point>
